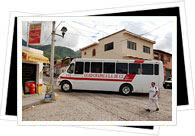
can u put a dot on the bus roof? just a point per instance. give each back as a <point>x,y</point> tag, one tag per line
<point>115,60</point>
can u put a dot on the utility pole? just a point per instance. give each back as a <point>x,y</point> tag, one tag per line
<point>63,30</point>
<point>52,60</point>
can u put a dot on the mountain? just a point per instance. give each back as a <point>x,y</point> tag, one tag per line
<point>60,52</point>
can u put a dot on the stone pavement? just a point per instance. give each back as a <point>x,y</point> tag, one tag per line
<point>29,100</point>
<point>81,105</point>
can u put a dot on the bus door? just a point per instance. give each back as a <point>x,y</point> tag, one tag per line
<point>135,69</point>
<point>78,82</point>
<point>149,76</point>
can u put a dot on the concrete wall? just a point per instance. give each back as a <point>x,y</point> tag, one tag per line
<point>139,48</point>
<point>120,50</point>
<point>88,52</point>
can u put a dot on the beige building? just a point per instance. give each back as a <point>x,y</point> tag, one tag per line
<point>120,45</point>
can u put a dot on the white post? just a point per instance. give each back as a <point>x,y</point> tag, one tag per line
<point>27,34</point>
<point>52,59</point>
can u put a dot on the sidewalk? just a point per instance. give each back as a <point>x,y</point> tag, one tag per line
<point>29,100</point>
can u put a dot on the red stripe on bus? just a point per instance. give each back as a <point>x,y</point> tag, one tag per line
<point>129,76</point>
<point>101,79</point>
<point>139,61</point>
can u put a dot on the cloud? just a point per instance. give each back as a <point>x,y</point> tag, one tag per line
<point>164,43</point>
<point>134,27</point>
<point>84,32</point>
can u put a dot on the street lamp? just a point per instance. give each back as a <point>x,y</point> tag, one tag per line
<point>63,30</point>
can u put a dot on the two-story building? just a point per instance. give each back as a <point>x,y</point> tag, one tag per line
<point>120,45</point>
<point>166,58</point>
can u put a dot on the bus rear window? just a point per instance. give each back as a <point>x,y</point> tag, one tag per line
<point>96,67</point>
<point>109,67</point>
<point>79,68</point>
<point>121,68</point>
<point>134,68</point>
<point>147,69</point>
<point>156,69</point>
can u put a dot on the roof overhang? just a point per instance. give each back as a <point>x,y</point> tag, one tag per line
<point>140,37</point>
<point>91,45</point>
<point>135,57</point>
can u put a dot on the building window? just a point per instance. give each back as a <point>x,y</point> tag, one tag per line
<point>79,68</point>
<point>109,67</point>
<point>93,52</point>
<point>96,67</point>
<point>109,46</point>
<point>147,69</point>
<point>134,68</point>
<point>121,68</point>
<point>131,45</point>
<point>146,49</point>
<point>156,56</point>
<point>85,53</point>
<point>168,58</point>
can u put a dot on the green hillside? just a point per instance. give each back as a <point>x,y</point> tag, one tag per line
<point>60,52</point>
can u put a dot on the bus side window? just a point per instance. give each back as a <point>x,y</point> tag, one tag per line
<point>96,67</point>
<point>134,68</point>
<point>79,68</point>
<point>109,67</point>
<point>156,68</point>
<point>147,69</point>
<point>121,68</point>
<point>71,68</point>
<point>87,67</point>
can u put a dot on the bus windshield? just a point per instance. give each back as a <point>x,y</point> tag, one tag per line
<point>71,68</point>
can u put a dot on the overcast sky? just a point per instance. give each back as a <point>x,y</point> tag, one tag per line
<point>86,30</point>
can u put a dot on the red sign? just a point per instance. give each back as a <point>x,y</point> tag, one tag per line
<point>34,34</point>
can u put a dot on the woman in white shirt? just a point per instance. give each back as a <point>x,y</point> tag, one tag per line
<point>153,97</point>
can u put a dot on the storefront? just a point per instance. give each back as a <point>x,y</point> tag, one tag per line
<point>32,69</point>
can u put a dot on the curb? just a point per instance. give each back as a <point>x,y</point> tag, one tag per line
<point>32,104</point>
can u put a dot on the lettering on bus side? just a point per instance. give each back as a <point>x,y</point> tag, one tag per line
<point>68,75</point>
<point>117,76</point>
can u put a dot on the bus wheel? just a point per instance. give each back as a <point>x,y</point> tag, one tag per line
<point>125,89</point>
<point>66,86</point>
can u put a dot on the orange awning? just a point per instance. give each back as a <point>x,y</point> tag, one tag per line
<point>33,57</point>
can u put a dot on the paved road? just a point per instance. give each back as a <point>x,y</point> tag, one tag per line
<point>46,79</point>
<point>98,106</point>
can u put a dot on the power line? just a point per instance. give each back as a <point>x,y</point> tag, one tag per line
<point>141,35</point>
<point>58,25</point>
<point>89,27</point>
<point>50,34</point>
<point>47,39</point>
<point>80,33</point>
<point>156,28</point>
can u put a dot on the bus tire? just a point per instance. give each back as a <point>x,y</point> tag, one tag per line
<point>66,86</point>
<point>126,89</point>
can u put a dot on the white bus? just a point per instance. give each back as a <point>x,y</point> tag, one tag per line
<point>124,76</point>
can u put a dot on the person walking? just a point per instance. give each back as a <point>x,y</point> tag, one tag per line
<point>153,97</point>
